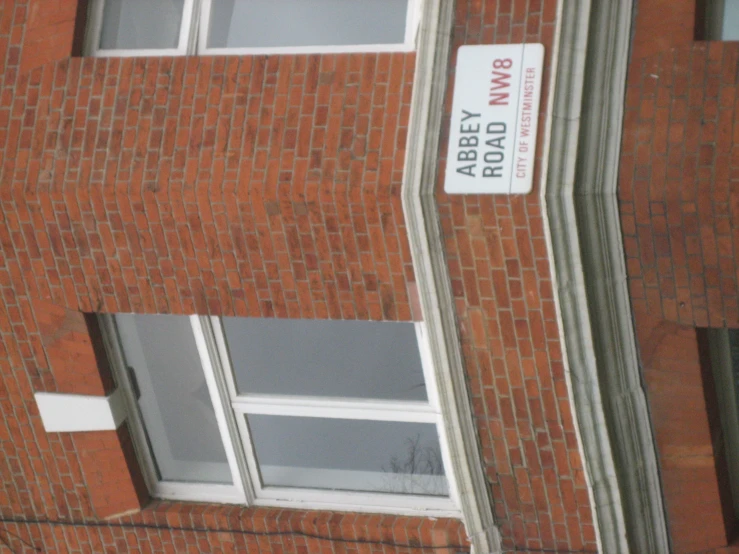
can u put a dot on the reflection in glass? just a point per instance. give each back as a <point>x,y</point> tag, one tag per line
<point>270,23</point>
<point>346,359</point>
<point>730,24</point>
<point>174,399</point>
<point>353,455</point>
<point>137,24</point>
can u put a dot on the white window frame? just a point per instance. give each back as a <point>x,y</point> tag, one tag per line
<point>94,31</point>
<point>175,490</point>
<point>194,34</point>
<point>231,408</point>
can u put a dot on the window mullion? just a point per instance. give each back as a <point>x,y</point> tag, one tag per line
<point>135,423</point>
<point>429,376</point>
<point>94,27</point>
<point>201,34</point>
<point>413,17</point>
<point>213,371</point>
<point>216,328</point>
<point>189,26</point>
<point>309,406</point>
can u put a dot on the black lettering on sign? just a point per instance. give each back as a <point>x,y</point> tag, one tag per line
<point>467,145</point>
<point>494,154</point>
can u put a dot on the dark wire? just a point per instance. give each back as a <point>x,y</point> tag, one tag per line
<point>17,536</point>
<point>2,540</point>
<point>123,525</point>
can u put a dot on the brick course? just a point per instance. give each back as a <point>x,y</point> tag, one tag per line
<point>254,186</point>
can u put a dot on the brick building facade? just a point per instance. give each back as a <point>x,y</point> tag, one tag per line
<point>678,208</point>
<point>262,186</point>
<point>309,186</point>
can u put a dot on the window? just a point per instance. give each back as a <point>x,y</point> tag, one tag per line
<point>180,27</point>
<point>312,413</point>
<point>721,20</point>
<point>724,355</point>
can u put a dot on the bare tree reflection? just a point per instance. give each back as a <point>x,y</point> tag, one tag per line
<point>418,471</point>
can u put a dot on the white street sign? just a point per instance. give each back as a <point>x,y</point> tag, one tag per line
<point>492,140</point>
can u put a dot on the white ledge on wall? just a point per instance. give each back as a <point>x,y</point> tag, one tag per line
<point>68,413</point>
<point>586,245</point>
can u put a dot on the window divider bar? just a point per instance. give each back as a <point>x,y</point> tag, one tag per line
<point>227,426</point>
<point>199,28</point>
<point>321,499</point>
<point>427,365</point>
<point>413,19</point>
<point>187,25</point>
<point>140,53</point>
<point>198,492</point>
<point>94,27</point>
<point>311,406</point>
<point>297,50</point>
<point>215,325</point>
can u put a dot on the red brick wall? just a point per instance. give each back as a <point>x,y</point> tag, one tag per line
<point>197,528</point>
<point>69,348</point>
<point>680,212</point>
<point>501,278</point>
<point>256,186</point>
<point>72,346</point>
<point>251,186</point>
<point>115,484</point>
<point>691,478</point>
<point>679,216</point>
<point>49,32</point>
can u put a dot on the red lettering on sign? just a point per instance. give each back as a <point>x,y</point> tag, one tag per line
<point>500,82</point>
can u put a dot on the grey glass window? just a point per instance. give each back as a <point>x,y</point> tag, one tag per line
<point>356,455</point>
<point>225,409</point>
<point>173,398</point>
<point>357,359</point>
<point>277,23</point>
<point>139,24</point>
<point>335,405</point>
<point>182,27</point>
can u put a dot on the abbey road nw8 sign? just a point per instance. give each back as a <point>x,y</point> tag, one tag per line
<point>494,117</point>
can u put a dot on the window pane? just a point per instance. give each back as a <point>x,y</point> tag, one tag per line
<point>344,454</point>
<point>136,24</point>
<point>266,23</point>
<point>730,27</point>
<point>355,359</point>
<point>174,399</point>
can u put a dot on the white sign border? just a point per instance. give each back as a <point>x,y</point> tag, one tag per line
<point>517,171</point>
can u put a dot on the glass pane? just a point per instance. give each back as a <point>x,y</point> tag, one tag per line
<point>174,399</point>
<point>136,24</point>
<point>730,28</point>
<point>355,359</point>
<point>266,23</point>
<point>345,454</point>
